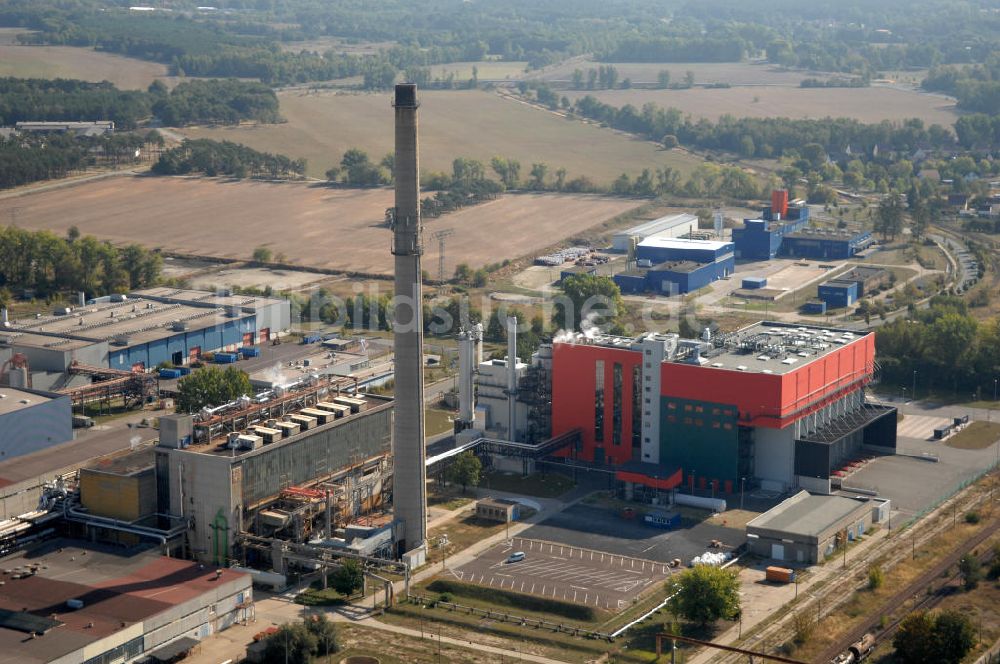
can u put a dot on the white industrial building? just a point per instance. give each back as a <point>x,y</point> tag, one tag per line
<point>31,420</point>
<point>493,399</point>
<point>673,225</point>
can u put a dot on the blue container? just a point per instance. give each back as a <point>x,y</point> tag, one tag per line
<point>312,339</point>
<point>184,370</point>
<point>754,282</point>
<point>169,374</point>
<point>225,358</point>
<point>665,520</point>
<point>250,351</point>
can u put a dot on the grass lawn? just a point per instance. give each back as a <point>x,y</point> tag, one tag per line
<point>976,436</point>
<point>389,648</point>
<point>446,497</point>
<point>437,421</point>
<point>549,485</point>
<point>463,533</point>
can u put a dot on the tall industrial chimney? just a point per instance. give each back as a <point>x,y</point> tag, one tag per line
<point>512,378</point>
<point>409,495</point>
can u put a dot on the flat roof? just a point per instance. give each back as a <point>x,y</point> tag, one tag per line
<point>777,348</point>
<point>863,272</point>
<point>682,243</point>
<point>806,515</point>
<point>678,266</point>
<point>816,234</point>
<point>12,400</point>
<point>217,299</point>
<point>12,337</point>
<point>119,588</point>
<point>139,319</point>
<point>219,447</point>
<point>125,462</point>
<point>765,347</point>
<point>660,224</point>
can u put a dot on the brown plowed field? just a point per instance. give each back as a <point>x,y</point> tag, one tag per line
<point>339,229</point>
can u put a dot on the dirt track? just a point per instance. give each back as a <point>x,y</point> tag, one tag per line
<point>339,229</point>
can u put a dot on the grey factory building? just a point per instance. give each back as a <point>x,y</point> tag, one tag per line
<point>31,420</point>
<point>805,528</point>
<point>266,467</point>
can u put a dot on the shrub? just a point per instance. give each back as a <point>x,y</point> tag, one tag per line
<point>876,577</point>
<point>972,517</point>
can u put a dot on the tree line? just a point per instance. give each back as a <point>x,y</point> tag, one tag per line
<point>215,158</point>
<point>947,348</point>
<point>66,100</point>
<point>977,87</point>
<point>29,157</point>
<point>677,49</point>
<point>765,137</point>
<point>49,264</point>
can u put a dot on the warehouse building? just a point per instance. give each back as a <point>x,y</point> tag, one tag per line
<point>674,225</point>
<point>670,266</point>
<point>141,330</point>
<point>69,601</point>
<point>807,528</point>
<point>31,420</point>
<point>781,405</point>
<point>868,279</point>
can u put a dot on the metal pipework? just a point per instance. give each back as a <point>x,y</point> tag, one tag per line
<point>409,485</point>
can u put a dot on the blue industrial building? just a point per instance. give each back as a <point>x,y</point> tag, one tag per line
<point>814,307</point>
<point>838,294</point>
<point>753,283</point>
<point>674,266</point>
<point>825,245</point>
<point>143,329</point>
<point>761,239</point>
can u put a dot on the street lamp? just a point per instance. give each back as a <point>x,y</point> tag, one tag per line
<point>914,392</point>
<point>742,481</point>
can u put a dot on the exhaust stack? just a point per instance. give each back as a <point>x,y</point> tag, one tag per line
<point>409,494</point>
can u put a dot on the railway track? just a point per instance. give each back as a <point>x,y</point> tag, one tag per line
<point>916,588</point>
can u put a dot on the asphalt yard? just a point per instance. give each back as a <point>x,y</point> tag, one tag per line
<point>582,576</point>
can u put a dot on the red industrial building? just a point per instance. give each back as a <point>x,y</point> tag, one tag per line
<point>775,404</point>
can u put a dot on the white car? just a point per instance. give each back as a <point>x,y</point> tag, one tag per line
<point>515,557</point>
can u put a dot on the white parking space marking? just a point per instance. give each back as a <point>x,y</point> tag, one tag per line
<point>565,572</point>
<point>920,426</point>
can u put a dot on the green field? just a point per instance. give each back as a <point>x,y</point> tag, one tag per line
<point>477,124</point>
<point>69,62</point>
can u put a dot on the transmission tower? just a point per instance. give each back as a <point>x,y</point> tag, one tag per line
<point>440,237</point>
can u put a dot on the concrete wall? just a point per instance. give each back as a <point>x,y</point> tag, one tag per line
<point>774,451</point>
<point>35,427</point>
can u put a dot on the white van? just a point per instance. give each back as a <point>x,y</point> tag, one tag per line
<point>515,557</point>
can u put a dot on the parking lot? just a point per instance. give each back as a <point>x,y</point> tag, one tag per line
<point>572,574</point>
<point>592,527</point>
